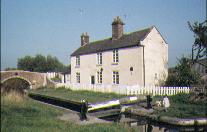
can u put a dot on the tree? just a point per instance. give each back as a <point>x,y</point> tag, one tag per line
<point>199,48</point>
<point>26,63</point>
<point>183,74</point>
<point>40,63</point>
<point>51,63</point>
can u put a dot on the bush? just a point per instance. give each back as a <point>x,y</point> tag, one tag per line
<point>180,98</point>
<point>183,75</point>
<point>56,79</point>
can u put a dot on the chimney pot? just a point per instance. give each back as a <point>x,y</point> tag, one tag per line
<point>84,39</point>
<point>117,28</point>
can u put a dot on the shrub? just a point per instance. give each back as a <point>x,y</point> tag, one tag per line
<point>56,79</point>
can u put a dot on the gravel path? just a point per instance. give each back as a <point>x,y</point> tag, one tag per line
<point>75,118</point>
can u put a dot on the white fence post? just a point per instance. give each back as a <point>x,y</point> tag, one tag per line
<point>126,89</point>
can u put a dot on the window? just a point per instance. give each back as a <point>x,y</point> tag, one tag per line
<point>156,76</point>
<point>115,56</point>
<point>115,77</point>
<point>77,60</point>
<point>99,58</point>
<point>99,76</point>
<point>77,77</point>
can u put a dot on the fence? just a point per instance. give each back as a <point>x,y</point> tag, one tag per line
<point>157,90</point>
<point>127,90</point>
<point>55,74</point>
<point>51,74</point>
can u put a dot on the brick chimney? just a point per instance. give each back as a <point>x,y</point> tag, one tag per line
<point>117,28</point>
<point>84,39</point>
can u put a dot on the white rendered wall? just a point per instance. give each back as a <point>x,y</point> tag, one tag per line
<point>156,58</point>
<point>128,57</point>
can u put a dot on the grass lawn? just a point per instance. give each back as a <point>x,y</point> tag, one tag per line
<point>26,115</point>
<point>77,95</point>
<point>182,107</point>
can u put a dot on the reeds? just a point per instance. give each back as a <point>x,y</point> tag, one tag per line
<point>12,96</point>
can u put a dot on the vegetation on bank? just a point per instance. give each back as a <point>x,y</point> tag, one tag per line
<point>90,96</point>
<point>183,74</point>
<point>183,106</point>
<point>22,114</point>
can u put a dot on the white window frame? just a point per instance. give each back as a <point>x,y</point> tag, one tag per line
<point>100,77</point>
<point>116,56</point>
<point>77,77</point>
<point>99,58</point>
<point>115,77</point>
<point>77,60</point>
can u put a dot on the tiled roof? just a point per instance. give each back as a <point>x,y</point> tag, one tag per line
<point>127,40</point>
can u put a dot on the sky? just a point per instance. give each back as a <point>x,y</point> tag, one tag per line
<point>53,27</point>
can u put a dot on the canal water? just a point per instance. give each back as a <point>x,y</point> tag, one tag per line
<point>146,125</point>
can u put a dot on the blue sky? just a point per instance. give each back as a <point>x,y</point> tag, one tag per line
<point>30,27</point>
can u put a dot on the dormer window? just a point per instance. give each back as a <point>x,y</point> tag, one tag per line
<point>99,58</point>
<point>77,60</point>
<point>115,56</point>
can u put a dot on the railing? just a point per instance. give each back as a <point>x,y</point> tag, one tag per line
<point>127,90</point>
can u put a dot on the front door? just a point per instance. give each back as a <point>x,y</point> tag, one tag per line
<point>92,80</point>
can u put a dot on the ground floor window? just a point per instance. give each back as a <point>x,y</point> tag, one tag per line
<point>92,80</point>
<point>77,77</point>
<point>99,76</point>
<point>115,77</point>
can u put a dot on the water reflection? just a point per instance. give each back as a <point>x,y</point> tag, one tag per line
<point>143,124</point>
<point>161,128</point>
<point>150,126</point>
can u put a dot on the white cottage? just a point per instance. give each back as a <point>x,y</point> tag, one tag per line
<point>137,58</point>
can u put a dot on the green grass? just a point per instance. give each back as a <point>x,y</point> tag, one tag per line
<point>28,115</point>
<point>77,95</point>
<point>182,107</point>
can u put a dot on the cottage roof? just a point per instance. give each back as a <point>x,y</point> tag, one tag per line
<point>127,40</point>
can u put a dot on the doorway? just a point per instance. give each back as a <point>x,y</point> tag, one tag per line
<point>92,79</point>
